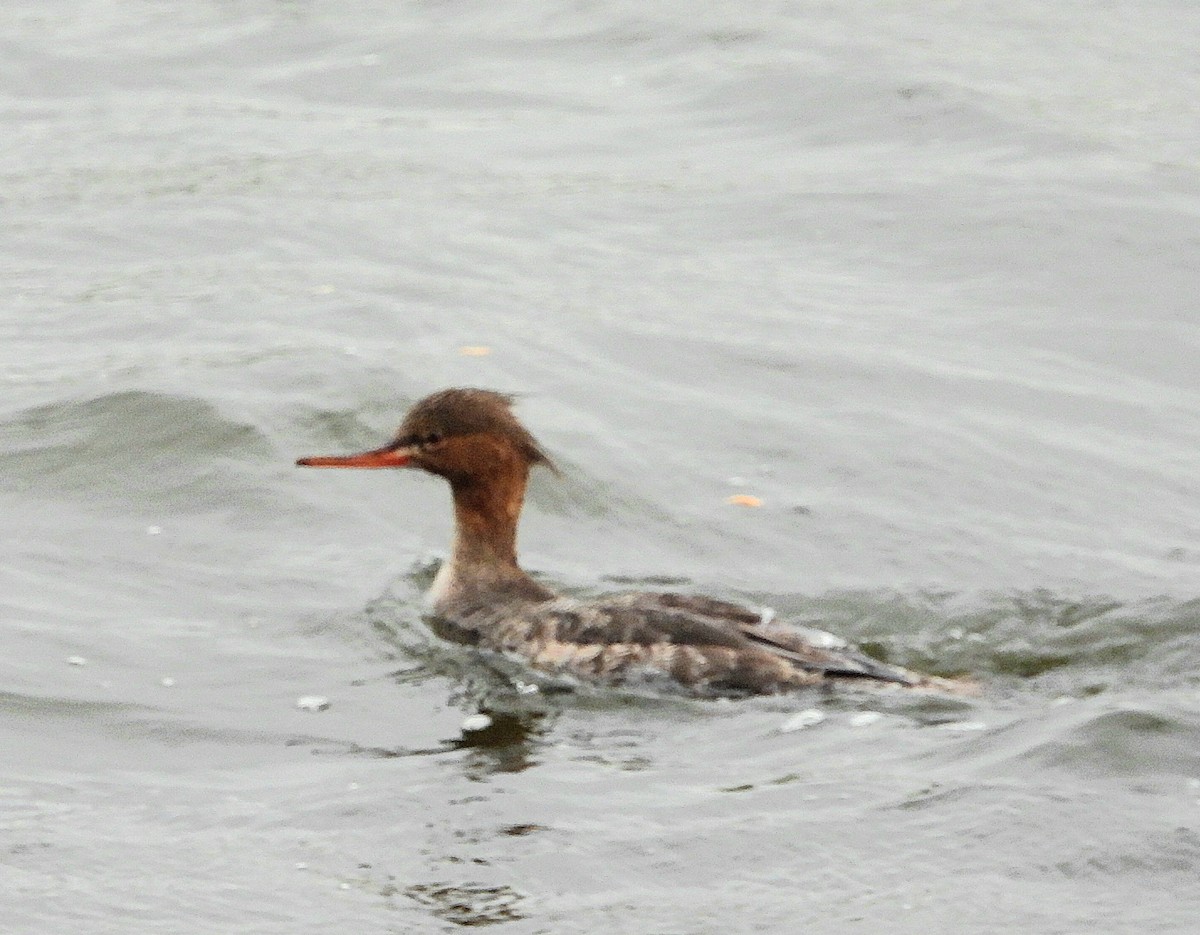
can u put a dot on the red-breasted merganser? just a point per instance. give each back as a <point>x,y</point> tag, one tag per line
<point>481,596</point>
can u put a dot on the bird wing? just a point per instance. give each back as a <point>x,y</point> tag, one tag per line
<point>688,620</point>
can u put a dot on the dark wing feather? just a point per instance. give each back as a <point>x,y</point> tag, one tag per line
<point>792,643</point>
<point>688,620</point>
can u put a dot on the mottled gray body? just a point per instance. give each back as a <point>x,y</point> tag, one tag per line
<point>706,645</point>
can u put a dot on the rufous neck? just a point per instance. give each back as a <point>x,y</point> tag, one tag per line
<point>483,563</point>
<point>487,510</point>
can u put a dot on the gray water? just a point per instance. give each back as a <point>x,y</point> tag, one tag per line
<point>922,279</point>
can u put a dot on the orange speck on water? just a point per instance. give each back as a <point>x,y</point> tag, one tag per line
<point>743,499</point>
<point>474,351</point>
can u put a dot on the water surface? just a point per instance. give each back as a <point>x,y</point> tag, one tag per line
<point>924,282</point>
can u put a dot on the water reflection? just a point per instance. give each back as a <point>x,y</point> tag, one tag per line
<point>468,904</point>
<point>508,744</point>
<point>506,715</point>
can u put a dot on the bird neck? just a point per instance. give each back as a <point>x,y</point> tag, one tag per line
<point>487,510</point>
<point>483,561</point>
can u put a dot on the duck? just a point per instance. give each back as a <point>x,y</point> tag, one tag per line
<point>482,597</point>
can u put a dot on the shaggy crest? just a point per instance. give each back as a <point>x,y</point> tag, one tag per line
<point>469,411</point>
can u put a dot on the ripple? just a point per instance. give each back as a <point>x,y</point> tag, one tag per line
<point>153,449</point>
<point>1075,646</point>
<point>1125,741</point>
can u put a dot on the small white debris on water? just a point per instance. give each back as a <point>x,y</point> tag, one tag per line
<point>963,726</point>
<point>352,786</point>
<point>301,865</point>
<point>76,661</point>
<point>955,633</point>
<point>312,703</point>
<point>476,722</point>
<point>153,530</point>
<point>809,718</point>
<point>1194,783</point>
<point>1062,700</point>
<point>737,482</point>
<point>343,886</point>
<point>766,615</point>
<point>167,681</point>
<point>525,688</point>
<point>865,718</point>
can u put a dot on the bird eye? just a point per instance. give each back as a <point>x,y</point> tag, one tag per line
<point>432,438</point>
